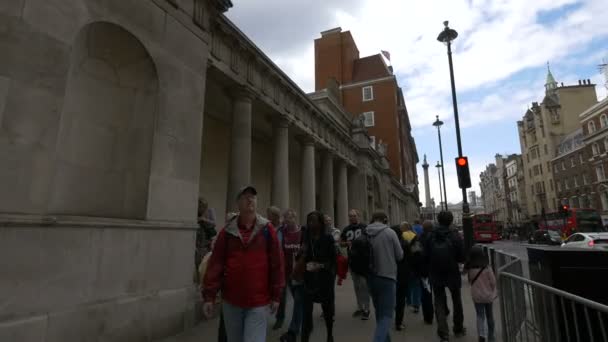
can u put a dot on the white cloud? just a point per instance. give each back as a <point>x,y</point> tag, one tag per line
<point>500,42</point>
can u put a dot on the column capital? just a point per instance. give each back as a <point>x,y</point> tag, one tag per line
<point>242,92</point>
<point>281,121</point>
<point>306,140</point>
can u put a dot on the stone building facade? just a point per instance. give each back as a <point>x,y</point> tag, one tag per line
<point>594,126</point>
<point>115,116</point>
<point>516,190</point>
<point>496,190</point>
<point>541,129</point>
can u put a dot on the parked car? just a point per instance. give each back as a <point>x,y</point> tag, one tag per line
<point>587,240</point>
<point>545,237</point>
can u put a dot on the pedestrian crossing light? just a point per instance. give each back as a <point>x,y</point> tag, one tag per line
<point>462,169</point>
<point>565,209</point>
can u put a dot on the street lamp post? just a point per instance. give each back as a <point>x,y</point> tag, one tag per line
<point>438,123</point>
<point>447,36</point>
<point>439,167</point>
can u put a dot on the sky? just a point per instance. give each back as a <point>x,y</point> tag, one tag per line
<point>500,61</point>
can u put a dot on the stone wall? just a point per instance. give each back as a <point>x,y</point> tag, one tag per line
<point>101,108</point>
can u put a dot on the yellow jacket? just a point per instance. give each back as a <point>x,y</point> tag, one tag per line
<point>408,235</point>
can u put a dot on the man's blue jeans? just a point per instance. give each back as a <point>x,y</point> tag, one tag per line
<point>245,324</point>
<point>298,308</point>
<point>383,295</point>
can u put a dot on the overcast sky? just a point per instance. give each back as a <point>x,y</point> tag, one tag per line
<point>500,60</point>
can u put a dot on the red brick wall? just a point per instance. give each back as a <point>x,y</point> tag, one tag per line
<point>384,106</point>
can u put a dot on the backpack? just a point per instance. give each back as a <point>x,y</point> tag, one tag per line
<point>442,258</point>
<point>361,256</point>
<point>416,246</point>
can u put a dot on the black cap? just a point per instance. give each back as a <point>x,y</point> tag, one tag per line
<point>248,189</point>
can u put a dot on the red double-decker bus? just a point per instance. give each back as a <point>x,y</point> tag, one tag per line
<point>577,220</point>
<point>484,228</point>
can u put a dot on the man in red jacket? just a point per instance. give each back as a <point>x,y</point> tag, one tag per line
<point>247,267</point>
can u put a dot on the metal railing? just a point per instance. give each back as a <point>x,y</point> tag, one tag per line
<point>535,312</point>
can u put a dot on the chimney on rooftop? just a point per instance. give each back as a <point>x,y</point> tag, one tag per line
<point>580,83</point>
<point>589,81</point>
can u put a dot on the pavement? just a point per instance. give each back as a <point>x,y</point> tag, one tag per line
<point>350,329</point>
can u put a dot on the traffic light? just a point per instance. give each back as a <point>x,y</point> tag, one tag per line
<point>462,169</point>
<point>565,209</point>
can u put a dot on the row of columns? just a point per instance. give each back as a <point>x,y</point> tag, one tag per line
<point>240,166</point>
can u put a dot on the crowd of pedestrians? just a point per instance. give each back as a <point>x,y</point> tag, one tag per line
<point>254,262</point>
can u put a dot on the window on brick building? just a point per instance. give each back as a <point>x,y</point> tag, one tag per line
<point>556,168</point>
<point>368,93</point>
<point>566,185</point>
<point>604,196</point>
<point>572,164</point>
<point>546,150</point>
<point>372,141</point>
<point>603,120</point>
<point>606,145</point>
<point>369,119</point>
<point>599,172</point>
<point>551,184</point>
<point>575,181</point>
<point>580,158</point>
<point>559,185</point>
<point>563,165</point>
<point>585,180</point>
<point>595,148</point>
<point>591,127</point>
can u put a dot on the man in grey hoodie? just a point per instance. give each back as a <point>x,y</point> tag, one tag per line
<point>386,252</point>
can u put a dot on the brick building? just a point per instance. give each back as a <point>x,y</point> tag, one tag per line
<point>594,125</point>
<point>368,88</point>
<point>571,173</point>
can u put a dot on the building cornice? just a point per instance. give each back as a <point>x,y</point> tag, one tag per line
<point>368,82</point>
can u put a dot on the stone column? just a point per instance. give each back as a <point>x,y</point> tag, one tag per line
<point>341,218</point>
<point>280,168</point>
<point>307,201</point>
<point>327,184</point>
<point>239,174</point>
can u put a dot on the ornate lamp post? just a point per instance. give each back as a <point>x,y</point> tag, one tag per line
<point>447,36</point>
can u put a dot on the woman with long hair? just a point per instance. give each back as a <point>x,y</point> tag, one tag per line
<point>317,267</point>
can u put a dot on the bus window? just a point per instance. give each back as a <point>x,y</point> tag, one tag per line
<point>588,221</point>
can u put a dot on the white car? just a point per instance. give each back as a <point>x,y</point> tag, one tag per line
<point>587,240</point>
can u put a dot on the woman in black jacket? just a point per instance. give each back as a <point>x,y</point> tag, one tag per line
<point>317,264</point>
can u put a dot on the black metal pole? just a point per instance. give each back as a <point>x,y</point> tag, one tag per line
<point>440,193</point>
<point>445,196</point>
<point>467,223</point>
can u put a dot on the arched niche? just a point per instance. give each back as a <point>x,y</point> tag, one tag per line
<point>105,137</point>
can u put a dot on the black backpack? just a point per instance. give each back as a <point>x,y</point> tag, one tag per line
<point>442,256</point>
<point>361,257</point>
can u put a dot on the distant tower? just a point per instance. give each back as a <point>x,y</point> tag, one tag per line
<point>604,71</point>
<point>473,198</point>
<point>427,190</point>
<point>551,84</point>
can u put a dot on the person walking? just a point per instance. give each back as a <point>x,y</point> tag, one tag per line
<point>273,214</point>
<point>317,263</point>
<point>350,233</point>
<point>417,228</point>
<point>386,252</point>
<point>420,267</point>
<point>483,292</point>
<point>445,252</point>
<point>413,281</point>
<point>292,242</point>
<point>403,270</point>
<point>247,267</point>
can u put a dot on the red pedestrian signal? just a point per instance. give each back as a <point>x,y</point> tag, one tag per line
<point>462,170</point>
